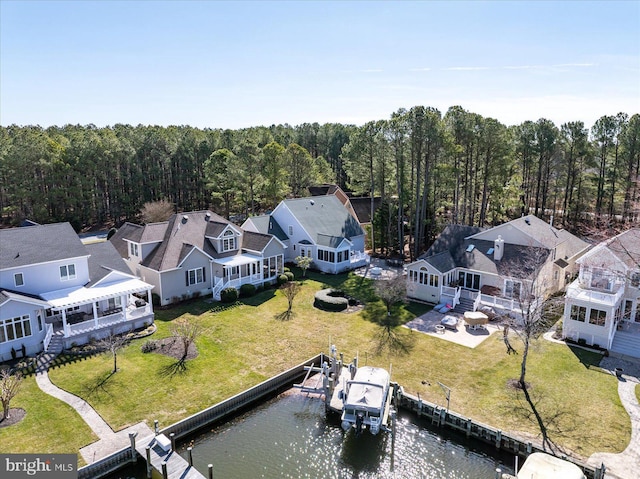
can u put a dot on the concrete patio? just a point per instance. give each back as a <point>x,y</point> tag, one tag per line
<point>463,335</point>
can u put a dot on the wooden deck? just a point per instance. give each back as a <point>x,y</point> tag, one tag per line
<point>177,467</point>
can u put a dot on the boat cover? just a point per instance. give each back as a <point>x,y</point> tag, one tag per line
<point>544,466</point>
<point>367,390</point>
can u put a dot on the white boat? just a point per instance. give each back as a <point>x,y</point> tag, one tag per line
<point>366,400</point>
<point>544,466</point>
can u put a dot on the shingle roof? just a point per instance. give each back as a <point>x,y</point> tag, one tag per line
<point>324,215</point>
<point>128,231</point>
<point>451,239</point>
<point>268,224</point>
<point>328,241</point>
<point>443,262</point>
<point>104,259</point>
<point>255,241</point>
<point>38,244</point>
<point>626,246</point>
<point>362,207</point>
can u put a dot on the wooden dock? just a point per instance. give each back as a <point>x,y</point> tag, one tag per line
<point>177,467</point>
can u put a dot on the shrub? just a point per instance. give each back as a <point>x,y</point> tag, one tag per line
<point>149,346</point>
<point>247,290</point>
<point>287,269</point>
<point>229,295</point>
<point>282,279</point>
<point>155,299</point>
<point>290,276</point>
<point>331,300</point>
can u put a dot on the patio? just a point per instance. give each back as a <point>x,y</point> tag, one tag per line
<point>465,336</point>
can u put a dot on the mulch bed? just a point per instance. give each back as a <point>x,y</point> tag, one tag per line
<point>16,415</point>
<point>173,348</point>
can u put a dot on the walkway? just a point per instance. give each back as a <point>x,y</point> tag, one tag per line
<point>626,464</point>
<point>109,441</point>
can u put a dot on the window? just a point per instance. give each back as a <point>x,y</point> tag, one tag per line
<point>290,230</point>
<point>15,328</point>
<point>413,276</point>
<point>328,256</point>
<point>39,316</point>
<point>343,256</point>
<point>635,279</point>
<point>228,241</point>
<point>597,317</point>
<point>67,272</point>
<point>18,279</point>
<point>512,288</point>
<point>578,313</point>
<point>195,276</point>
<point>434,280</point>
<point>133,249</point>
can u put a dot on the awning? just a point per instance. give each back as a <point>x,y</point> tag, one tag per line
<point>238,260</point>
<point>63,298</point>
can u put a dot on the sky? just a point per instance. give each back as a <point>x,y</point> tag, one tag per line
<point>217,64</point>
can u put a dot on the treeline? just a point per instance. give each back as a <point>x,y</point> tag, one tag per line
<point>427,168</point>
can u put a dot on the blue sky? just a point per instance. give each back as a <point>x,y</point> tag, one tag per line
<point>237,64</point>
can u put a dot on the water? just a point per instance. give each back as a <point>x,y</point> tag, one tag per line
<point>291,436</point>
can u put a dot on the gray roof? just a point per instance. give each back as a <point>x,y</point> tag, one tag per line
<point>443,262</point>
<point>128,231</point>
<point>324,215</point>
<point>451,239</point>
<point>3,297</point>
<point>328,241</point>
<point>268,224</point>
<point>104,259</point>
<point>255,241</point>
<point>626,246</point>
<point>38,244</point>
<point>362,207</point>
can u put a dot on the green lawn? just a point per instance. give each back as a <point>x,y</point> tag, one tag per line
<point>244,345</point>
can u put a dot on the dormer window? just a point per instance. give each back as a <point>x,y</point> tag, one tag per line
<point>18,279</point>
<point>133,249</point>
<point>228,241</point>
<point>67,272</point>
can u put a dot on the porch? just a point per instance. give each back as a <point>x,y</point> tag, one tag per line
<point>246,269</point>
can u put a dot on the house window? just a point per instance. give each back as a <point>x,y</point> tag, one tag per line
<point>15,328</point>
<point>114,302</point>
<point>18,279</point>
<point>195,276</point>
<point>290,230</point>
<point>578,313</point>
<point>413,276</point>
<point>343,256</point>
<point>635,279</point>
<point>601,279</point>
<point>67,272</point>
<point>39,316</point>
<point>133,249</point>
<point>512,288</point>
<point>469,280</point>
<point>328,256</point>
<point>229,241</point>
<point>597,317</point>
<point>434,280</point>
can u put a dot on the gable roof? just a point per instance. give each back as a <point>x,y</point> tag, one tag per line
<point>618,253</point>
<point>103,260</point>
<point>255,241</point>
<point>451,239</point>
<point>267,224</point>
<point>324,215</point>
<point>362,207</point>
<point>39,244</point>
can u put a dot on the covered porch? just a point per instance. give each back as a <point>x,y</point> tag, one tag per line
<point>81,311</point>
<point>246,269</point>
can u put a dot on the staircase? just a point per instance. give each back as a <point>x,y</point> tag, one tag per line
<point>626,344</point>
<point>463,306</point>
<point>54,348</point>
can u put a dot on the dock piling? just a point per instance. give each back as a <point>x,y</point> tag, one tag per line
<point>210,467</point>
<point>190,454</point>
<point>165,474</point>
<point>498,473</point>
<point>155,427</point>
<point>172,437</point>
<point>148,452</point>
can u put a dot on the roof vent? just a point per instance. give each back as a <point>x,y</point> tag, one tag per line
<point>312,202</point>
<point>207,216</point>
<point>527,220</point>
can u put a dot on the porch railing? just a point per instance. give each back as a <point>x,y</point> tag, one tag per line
<point>574,291</point>
<point>359,257</point>
<point>48,336</point>
<point>108,320</point>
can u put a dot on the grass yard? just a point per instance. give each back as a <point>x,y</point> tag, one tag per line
<point>244,345</point>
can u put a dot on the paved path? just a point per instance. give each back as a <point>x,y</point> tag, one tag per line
<point>626,464</point>
<point>109,441</point>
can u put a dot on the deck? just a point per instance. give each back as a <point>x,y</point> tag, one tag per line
<point>177,467</point>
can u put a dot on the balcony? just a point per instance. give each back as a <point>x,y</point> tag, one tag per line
<point>576,292</point>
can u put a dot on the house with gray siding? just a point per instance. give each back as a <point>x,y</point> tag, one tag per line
<point>496,266</point>
<point>320,227</point>
<point>51,284</point>
<point>198,253</point>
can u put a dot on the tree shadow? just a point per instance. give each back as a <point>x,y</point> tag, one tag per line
<point>98,384</point>
<point>175,368</point>
<point>389,336</point>
<point>284,316</point>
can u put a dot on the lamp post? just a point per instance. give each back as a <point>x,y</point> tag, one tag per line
<point>447,393</point>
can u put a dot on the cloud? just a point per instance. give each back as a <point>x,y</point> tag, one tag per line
<point>466,68</point>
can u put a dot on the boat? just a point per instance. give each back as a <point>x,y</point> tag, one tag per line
<point>544,466</point>
<point>366,400</point>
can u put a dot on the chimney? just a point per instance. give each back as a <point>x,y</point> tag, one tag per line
<point>551,221</point>
<point>498,248</point>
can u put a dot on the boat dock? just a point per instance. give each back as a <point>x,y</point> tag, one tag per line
<point>168,463</point>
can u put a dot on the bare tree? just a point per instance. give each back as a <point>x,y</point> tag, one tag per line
<point>528,287</point>
<point>9,386</point>
<point>186,333</point>
<point>156,211</point>
<point>290,291</point>
<point>113,343</point>
<point>391,291</point>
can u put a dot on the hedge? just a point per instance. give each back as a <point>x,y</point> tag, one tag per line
<point>247,290</point>
<point>229,295</point>
<point>331,300</point>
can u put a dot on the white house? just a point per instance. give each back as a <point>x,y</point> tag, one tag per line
<point>320,227</point>
<point>198,253</point>
<point>602,306</point>
<point>496,266</point>
<point>52,284</point>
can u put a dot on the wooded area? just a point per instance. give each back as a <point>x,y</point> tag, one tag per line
<point>428,169</point>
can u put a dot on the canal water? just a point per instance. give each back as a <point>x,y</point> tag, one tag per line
<point>291,436</point>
